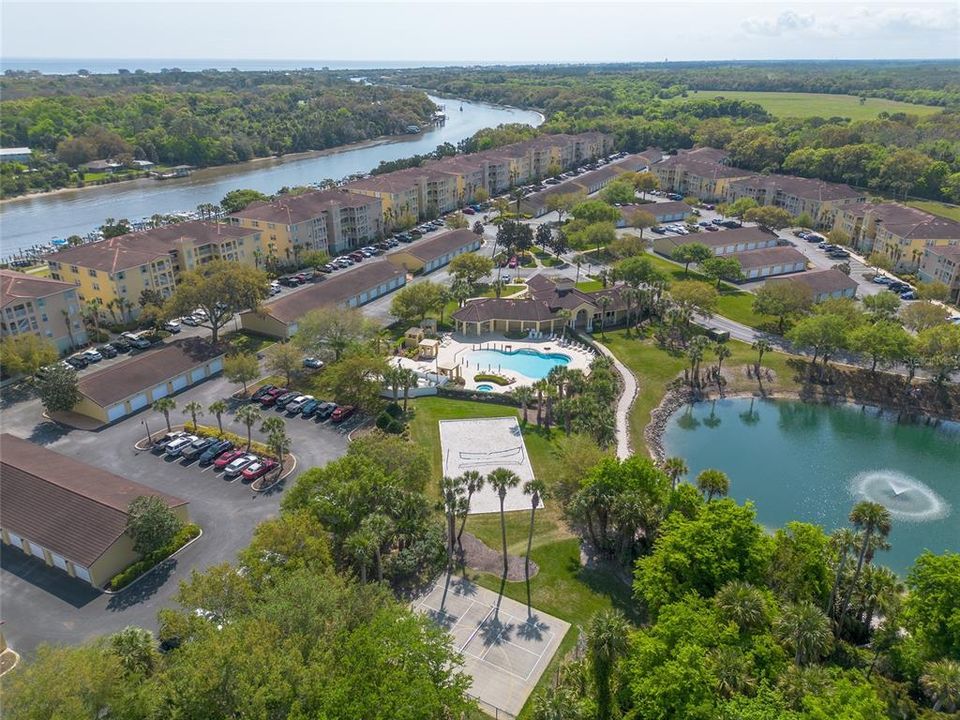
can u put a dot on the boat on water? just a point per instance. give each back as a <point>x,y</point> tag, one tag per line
<point>177,171</point>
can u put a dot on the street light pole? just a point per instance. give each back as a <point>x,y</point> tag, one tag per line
<point>147,427</point>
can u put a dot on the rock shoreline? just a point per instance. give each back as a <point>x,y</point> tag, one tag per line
<point>675,398</point>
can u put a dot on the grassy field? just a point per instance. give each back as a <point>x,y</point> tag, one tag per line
<point>787,104</point>
<point>951,212</point>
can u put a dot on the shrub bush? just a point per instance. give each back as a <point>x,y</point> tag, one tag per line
<point>394,410</point>
<point>389,424</point>
<point>238,440</point>
<point>488,377</point>
<point>132,572</point>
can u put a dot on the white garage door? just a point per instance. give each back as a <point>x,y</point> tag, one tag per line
<point>217,365</point>
<point>38,551</point>
<point>58,561</point>
<point>116,412</point>
<point>138,401</point>
<point>16,540</point>
<point>179,383</point>
<point>196,375</point>
<point>81,572</point>
<point>160,391</point>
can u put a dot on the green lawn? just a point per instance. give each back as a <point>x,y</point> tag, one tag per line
<point>787,104</point>
<point>590,285</point>
<point>951,212</point>
<point>245,341</point>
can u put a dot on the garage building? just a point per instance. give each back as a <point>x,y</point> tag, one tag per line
<point>357,287</point>
<point>429,255</point>
<point>824,284</point>
<point>70,515</point>
<point>663,212</point>
<point>724,242</point>
<point>120,390</point>
<point>757,264</point>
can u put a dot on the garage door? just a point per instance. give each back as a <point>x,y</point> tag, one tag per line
<point>159,391</point>
<point>81,572</point>
<point>16,540</point>
<point>217,365</point>
<point>38,551</point>
<point>196,375</point>
<point>179,383</point>
<point>116,412</point>
<point>138,401</point>
<point>58,561</point>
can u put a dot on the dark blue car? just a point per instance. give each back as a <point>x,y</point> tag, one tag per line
<point>309,408</point>
<point>214,451</point>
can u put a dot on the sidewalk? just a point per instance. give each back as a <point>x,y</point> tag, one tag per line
<point>623,403</point>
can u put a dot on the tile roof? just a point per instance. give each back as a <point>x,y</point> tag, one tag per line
<point>820,281</point>
<point>947,251</point>
<point>801,187</point>
<point>485,309</point>
<point>16,285</point>
<point>442,244</point>
<point>768,256</point>
<point>73,509</point>
<point>386,183</point>
<point>147,369</point>
<point>724,237</point>
<point>657,209</point>
<point>333,291</point>
<point>291,210</point>
<point>137,248</point>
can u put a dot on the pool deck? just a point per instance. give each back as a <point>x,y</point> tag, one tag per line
<point>455,350</point>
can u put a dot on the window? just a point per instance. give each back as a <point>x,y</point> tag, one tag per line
<point>91,272</point>
<point>43,316</point>
<point>121,275</point>
<point>143,269</point>
<point>74,269</point>
<point>96,286</point>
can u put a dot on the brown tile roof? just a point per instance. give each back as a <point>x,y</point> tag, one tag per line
<point>486,309</point>
<point>16,285</point>
<point>801,187</point>
<point>705,154</point>
<point>599,175</point>
<point>137,248</point>
<point>386,183</point>
<point>300,208</point>
<point>544,288</point>
<point>820,281</point>
<point>947,251</point>
<point>147,369</point>
<point>333,291</point>
<point>768,256</point>
<point>704,168</point>
<point>442,244</point>
<point>73,509</point>
<point>567,187</point>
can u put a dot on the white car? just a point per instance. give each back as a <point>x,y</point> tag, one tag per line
<point>177,446</point>
<point>239,465</point>
<point>172,325</point>
<point>189,320</point>
<point>298,402</point>
<point>200,313</point>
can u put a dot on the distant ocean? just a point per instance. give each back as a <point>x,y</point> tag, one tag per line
<point>69,66</point>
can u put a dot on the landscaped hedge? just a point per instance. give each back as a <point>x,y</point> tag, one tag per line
<point>132,572</point>
<point>488,377</point>
<point>477,396</point>
<point>238,440</point>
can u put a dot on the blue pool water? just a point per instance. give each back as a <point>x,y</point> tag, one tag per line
<point>485,387</point>
<point>529,363</point>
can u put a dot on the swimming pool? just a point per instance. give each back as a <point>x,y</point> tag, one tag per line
<point>485,387</point>
<point>529,363</point>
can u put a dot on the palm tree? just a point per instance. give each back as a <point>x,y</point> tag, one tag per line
<point>91,311</point>
<point>540,386</point>
<point>536,489</point>
<point>380,529</point>
<point>722,352</point>
<point>870,519</point>
<point>473,482</point>
<point>941,683</point>
<point>249,415</point>
<point>164,405</point>
<point>524,396</point>
<point>69,326</point>
<point>408,380</point>
<point>193,409</point>
<point>603,302</point>
<point>218,408</point>
<point>393,378</point>
<point>742,604</point>
<point>675,468</point>
<point>713,483</point>
<point>502,480</point>
<point>361,546</point>
<point>606,641</point>
<point>451,493</point>
<point>761,346</point>
<point>273,424</point>
<point>279,443</point>
<point>806,630</point>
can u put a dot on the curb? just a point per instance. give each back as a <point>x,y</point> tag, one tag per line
<point>147,572</point>
<point>279,479</point>
<point>16,660</point>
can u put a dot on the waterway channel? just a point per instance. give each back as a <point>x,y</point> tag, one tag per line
<point>29,221</point>
<point>798,461</point>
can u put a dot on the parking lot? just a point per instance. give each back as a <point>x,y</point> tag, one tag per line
<point>42,604</point>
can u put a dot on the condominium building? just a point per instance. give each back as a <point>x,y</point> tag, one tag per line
<point>698,173</point>
<point>47,308</point>
<point>115,272</point>
<point>796,195</point>
<point>328,220</point>
<point>941,263</point>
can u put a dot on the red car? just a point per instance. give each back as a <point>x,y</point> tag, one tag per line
<point>271,397</point>
<point>228,457</point>
<point>258,469</point>
<point>513,262</point>
<point>342,413</point>
<point>469,211</point>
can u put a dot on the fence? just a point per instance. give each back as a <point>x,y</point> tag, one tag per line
<point>487,397</point>
<point>492,710</point>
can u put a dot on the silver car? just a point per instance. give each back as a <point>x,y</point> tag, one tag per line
<point>179,445</point>
<point>239,465</point>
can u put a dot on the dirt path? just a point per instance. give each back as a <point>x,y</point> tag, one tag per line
<point>479,556</point>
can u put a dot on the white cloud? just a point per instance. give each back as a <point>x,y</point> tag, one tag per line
<point>858,21</point>
<point>788,21</point>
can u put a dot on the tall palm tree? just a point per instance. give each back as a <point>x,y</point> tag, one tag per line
<point>713,483</point>
<point>870,519</point>
<point>722,352</point>
<point>217,408</point>
<point>536,489</point>
<point>742,604</point>
<point>603,302</point>
<point>675,468</point>
<point>408,380</point>
<point>393,378</point>
<point>842,541</point>
<point>941,683</point>
<point>524,396</point>
<point>540,386</point>
<point>380,528</point>
<point>91,311</point>
<point>69,325</point>
<point>761,346</point>
<point>606,641</point>
<point>502,480</point>
<point>193,409</point>
<point>806,630</point>
<point>473,482</point>
<point>451,493</point>
<point>165,406</point>
<point>249,415</point>
<point>361,545</point>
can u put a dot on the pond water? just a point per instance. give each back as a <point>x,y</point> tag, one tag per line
<point>529,363</point>
<point>799,461</point>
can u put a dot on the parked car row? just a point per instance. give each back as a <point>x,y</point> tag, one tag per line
<point>904,290</point>
<point>233,461</point>
<point>300,405</point>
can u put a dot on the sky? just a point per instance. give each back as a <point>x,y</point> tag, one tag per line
<point>492,31</point>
